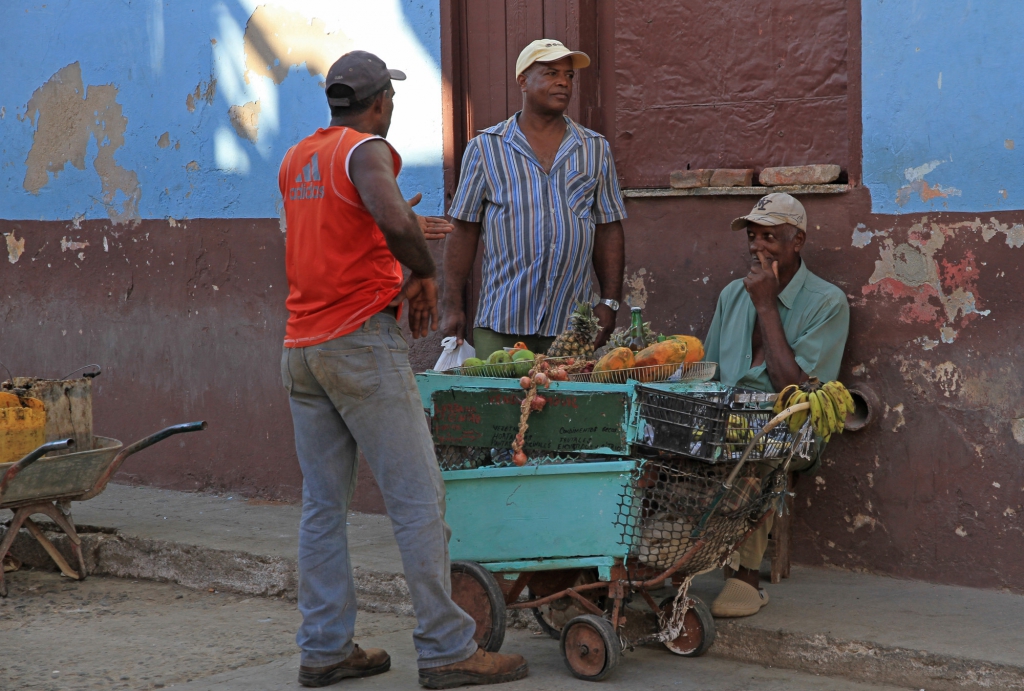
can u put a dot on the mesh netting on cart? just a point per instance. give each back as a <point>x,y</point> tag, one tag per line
<point>470,457</point>
<point>711,426</point>
<point>666,512</point>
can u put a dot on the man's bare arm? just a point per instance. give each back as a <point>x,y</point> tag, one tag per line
<point>779,359</point>
<point>609,265</point>
<point>372,171</point>
<point>459,255</point>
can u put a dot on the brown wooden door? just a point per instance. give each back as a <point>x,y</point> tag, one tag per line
<point>481,40</point>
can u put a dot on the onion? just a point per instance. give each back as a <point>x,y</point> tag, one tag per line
<point>542,379</point>
<point>519,458</point>
<point>538,403</point>
<point>525,382</point>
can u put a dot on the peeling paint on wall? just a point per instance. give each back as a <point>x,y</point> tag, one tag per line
<point>1017,428</point>
<point>66,116</point>
<point>205,91</point>
<point>863,237</point>
<point>179,108</point>
<point>277,39</point>
<point>918,185</point>
<point>933,289</point>
<point>15,247</point>
<point>246,120</point>
<point>636,289</point>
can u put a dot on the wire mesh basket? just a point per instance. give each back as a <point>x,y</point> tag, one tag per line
<point>506,370</point>
<point>691,371</point>
<point>666,511</point>
<point>715,427</point>
<point>471,457</point>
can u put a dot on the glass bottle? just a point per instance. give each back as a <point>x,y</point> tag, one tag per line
<point>636,331</point>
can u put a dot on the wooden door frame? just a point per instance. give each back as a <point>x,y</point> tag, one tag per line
<point>453,108</point>
<point>586,23</point>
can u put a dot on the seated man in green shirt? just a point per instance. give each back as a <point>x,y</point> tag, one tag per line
<point>779,325</point>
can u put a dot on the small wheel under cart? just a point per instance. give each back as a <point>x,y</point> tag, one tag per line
<point>698,632</point>
<point>553,617</point>
<point>476,592</point>
<point>590,647</point>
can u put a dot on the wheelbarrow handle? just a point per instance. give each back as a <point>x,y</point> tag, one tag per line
<point>135,448</point>
<point>31,458</point>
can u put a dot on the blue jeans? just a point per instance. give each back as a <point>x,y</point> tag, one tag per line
<point>358,392</point>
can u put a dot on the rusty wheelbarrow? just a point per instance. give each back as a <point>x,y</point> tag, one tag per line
<point>37,485</point>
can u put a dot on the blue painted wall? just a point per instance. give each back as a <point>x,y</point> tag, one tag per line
<point>943,105</point>
<point>156,55</point>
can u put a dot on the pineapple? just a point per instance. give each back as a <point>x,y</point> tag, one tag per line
<point>578,340</point>
<point>620,337</point>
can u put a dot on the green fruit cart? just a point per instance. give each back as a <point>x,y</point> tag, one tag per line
<point>628,487</point>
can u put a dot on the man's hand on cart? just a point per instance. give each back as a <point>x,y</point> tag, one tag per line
<point>433,227</point>
<point>422,296</point>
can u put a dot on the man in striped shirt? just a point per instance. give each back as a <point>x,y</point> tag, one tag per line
<point>542,193</point>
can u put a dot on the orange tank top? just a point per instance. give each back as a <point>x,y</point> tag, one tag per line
<point>340,270</point>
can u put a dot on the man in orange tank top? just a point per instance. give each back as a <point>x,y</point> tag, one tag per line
<point>346,368</point>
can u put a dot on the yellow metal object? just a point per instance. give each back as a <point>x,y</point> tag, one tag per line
<point>21,430</point>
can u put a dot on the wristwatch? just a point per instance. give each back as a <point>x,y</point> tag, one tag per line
<point>613,304</point>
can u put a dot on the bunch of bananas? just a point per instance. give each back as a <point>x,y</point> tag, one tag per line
<point>738,430</point>
<point>830,403</point>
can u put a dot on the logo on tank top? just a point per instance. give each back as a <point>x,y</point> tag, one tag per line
<point>308,181</point>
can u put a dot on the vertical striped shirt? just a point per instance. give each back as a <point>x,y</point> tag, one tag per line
<point>537,227</point>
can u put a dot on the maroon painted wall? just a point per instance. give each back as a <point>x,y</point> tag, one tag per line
<point>187,322</point>
<point>935,488</point>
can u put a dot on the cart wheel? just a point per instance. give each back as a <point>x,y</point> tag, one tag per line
<point>553,616</point>
<point>590,647</point>
<point>479,595</point>
<point>698,628</point>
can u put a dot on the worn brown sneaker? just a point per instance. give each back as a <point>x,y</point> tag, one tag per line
<point>481,668</point>
<point>360,663</point>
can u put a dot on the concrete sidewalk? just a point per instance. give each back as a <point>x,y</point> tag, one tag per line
<point>835,623</point>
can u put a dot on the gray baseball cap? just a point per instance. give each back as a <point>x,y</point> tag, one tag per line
<point>363,72</point>
<point>773,210</point>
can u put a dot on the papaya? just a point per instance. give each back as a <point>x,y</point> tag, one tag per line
<point>668,352</point>
<point>694,348</point>
<point>615,359</point>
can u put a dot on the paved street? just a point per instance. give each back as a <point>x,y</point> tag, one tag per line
<point>108,633</point>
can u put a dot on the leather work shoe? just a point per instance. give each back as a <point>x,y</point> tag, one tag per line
<point>360,663</point>
<point>481,668</point>
<point>739,599</point>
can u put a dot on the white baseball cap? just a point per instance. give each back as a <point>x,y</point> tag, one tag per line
<point>549,50</point>
<point>773,210</point>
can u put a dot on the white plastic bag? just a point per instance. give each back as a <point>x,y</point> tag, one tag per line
<point>453,355</point>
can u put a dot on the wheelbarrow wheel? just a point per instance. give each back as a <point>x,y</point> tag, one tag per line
<point>590,647</point>
<point>698,632</point>
<point>479,595</point>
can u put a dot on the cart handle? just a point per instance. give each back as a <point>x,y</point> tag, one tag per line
<point>31,458</point>
<point>135,448</point>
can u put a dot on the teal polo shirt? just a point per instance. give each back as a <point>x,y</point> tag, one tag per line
<point>815,316</point>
